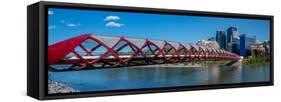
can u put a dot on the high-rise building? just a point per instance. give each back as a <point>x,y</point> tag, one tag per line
<point>235,48</point>
<point>245,42</point>
<point>235,45</point>
<point>232,33</point>
<point>221,39</point>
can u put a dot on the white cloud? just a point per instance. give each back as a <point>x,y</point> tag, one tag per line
<point>111,18</point>
<point>71,25</point>
<point>52,27</point>
<point>50,12</point>
<point>113,24</point>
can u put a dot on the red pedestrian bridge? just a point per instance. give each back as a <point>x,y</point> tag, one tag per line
<point>91,51</point>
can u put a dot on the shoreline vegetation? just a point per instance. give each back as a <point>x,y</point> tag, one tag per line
<point>185,64</point>
<point>58,87</point>
<point>246,61</point>
<point>252,60</point>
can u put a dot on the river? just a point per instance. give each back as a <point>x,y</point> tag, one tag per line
<point>155,77</point>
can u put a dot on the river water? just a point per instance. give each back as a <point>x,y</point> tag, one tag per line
<point>155,77</point>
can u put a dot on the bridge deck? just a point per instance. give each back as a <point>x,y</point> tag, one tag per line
<point>128,56</point>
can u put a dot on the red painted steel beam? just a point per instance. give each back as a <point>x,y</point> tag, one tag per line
<point>58,51</point>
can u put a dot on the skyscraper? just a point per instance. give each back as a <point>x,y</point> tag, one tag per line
<point>232,33</point>
<point>245,42</point>
<point>235,45</point>
<point>221,39</point>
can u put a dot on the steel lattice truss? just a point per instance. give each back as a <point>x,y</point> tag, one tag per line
<point>93,51</point>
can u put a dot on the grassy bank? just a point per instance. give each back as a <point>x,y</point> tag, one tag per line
<point>208,62</point>
<point>251,60</point>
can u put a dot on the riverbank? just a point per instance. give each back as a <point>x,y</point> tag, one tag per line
<point>57,87</point>
<point>184,64</point>
<point>255,60</point>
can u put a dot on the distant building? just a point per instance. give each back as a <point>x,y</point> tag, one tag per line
<point>210,44</point>
<point>257,49</point>
<point>245,42</point>
<point>221,39</point>
<point>232,33</point>
<point>235,46</point>
<point>266,45</point>
<point>212,39</point>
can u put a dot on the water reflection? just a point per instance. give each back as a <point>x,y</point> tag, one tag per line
<point>136,77</point>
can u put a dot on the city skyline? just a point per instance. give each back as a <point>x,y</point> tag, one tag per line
<point>67,23</point>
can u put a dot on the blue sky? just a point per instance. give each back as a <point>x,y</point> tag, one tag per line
<point>67,23</point>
